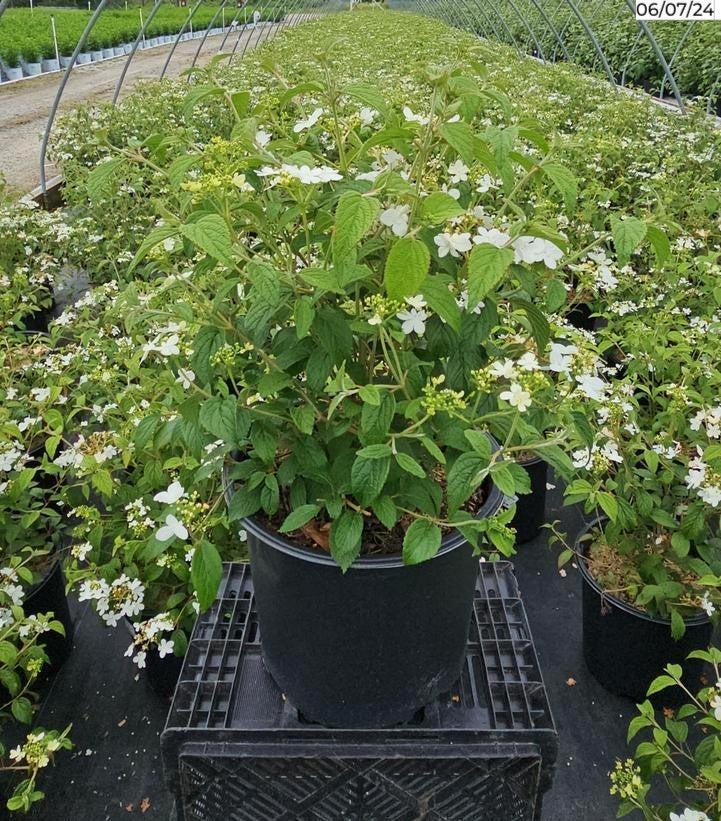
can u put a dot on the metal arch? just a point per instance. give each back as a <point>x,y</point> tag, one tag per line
<point>136,43</point>
<point>488,19</point>
<point>630,54</point>
<point>659,54</point>
<point>61,88</point>
<point>591,17</point>
<point>230,29</point>
<point>597,46</point>
<point>689,28</point>
<point>529,29</point>
<point>562,21</point>
<point>504,24</point>
<point>207,32</point>
<point>188,19</point>
<point>550,26</point>
<point>472,23</point>
<point>614,22</point>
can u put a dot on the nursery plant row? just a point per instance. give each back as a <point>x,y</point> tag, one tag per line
<point>26,37</point>
<point>552,30</point>
<point>346,295</point>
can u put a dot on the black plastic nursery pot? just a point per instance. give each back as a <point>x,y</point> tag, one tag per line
<point>531,507</point>
<point>49,595</point>
<point>370,647</point>
<point>626,649</point>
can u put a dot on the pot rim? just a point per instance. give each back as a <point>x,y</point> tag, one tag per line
<point>490,506</point>
<point>588,578</point>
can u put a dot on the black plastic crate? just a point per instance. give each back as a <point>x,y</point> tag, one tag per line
<point>235,749</point>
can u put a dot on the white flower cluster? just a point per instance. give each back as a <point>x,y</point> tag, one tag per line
<point>124,597</point>
<point>705,481</point>
<point>710,419</point>
<point>148,633</point>
<point>12,456</point>
<point>9,585</point>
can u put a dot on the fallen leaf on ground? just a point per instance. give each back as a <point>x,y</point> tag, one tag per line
<point>571,682</point>
<point>145,804</point>
<point>128,807</point>
<point>120,723</point>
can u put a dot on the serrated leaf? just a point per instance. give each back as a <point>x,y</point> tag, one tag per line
<point>440,207</point>
<point>409,464</point>
<point>564,181</point>
<point>539,323</point>
<point>627,236</point>
<point>556,295</point>
<point>487,266</point>
<point>303,315</point>
<point>660,683</point>
<point>460,477</point>
<point>101,175</point>
<point>435,291</point>
<point>608,504</point>
<point>421,542</point>
<point>386,511</point>
<point>375,452</point>
<point>298,517</point>
<point>346,533</point>
<point>206,571</point>
<point>303,418</point>
<point>461,138</point>
<point>368,477</point>
<point>370,394</point>
<point>178,169</point>
<point>406,268</point>
<point>368,95</point>
<point>480,443</point>
<point>354,217</point>
<point>212,235</point>
<point>659,242</point>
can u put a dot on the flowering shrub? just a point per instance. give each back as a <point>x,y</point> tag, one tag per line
<point>683,752</point>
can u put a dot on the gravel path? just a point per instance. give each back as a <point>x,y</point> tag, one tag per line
<point>24,105</point>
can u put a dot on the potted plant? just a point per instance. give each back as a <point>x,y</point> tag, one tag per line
<point>343,361</point>
<point>12,66</point>
<point>651,553</point>
<point>679,753</point>
<point>22,638</point>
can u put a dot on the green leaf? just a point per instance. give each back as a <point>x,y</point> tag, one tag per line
<point>146,430</point>
<point>460,478</point>
<point>678,626</point>
<point>197,94</point>
<point>222,419</point>
<point>241,102</point>
<point>680,544</point>
<point>303,418</point>
<point>206,571</point>
<point>659,242</point>
<point>537,320</point>
<point>370,394</point>
<point>627,236</point>
<point>608,504</point>
<point>409,464</point>
<point>368,95</point>
<point>212,235</point>
<point>556,295</point>
<point>298,517</point>
<point>439,207</point>
<point>421,542</point>
<point>22,710</point>
<point>303,315</point>
<point>180,166</point>
<point>354,217</point>
<point>487,266</point>
<point>503,478</point>
<point>564,181</point>
<point>375,452</point>
<point>406,267</point>
<point>660,683</point>
<point>208,342</point>
<point>101,175</point>
<point>557,459</point>
<point>480,443</point>
<point>461,138</point>
<point>345,538</point>
<point>386,511</point>
<point>368,476</point>
<point>244,503</point>
<point>435,291</point>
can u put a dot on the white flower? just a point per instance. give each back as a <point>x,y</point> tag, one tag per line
<point>561,357</point>
<point>414,118</point>
<point>416,302</point>
<point>707,605</point>
<point>165,647</point>
<point>592,386</point>
<point>486,183</point>
<point>711,495</point>
<point>262,138</point>
<point>17,754</point>
<point>11,393</point>
<point>80,551</point>
<point>413,321</point>
<point>302,125</point>
<point>396,218</point>
<point>40,394</point>
<point>312,176</point>
<point>185,377</point>
<point>453,244</point>
<point>517,397</point>
<point>169,244</point>
<point>173,529</point>
<point>173,494</point>
<point>503,370</point>
<point>535,249</point>
<point>367,115</point>
<point>491,236</point>
<point>688,814</point>
<point>458,171</point>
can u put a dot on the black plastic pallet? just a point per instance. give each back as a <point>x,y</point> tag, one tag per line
<point>235,749</point>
